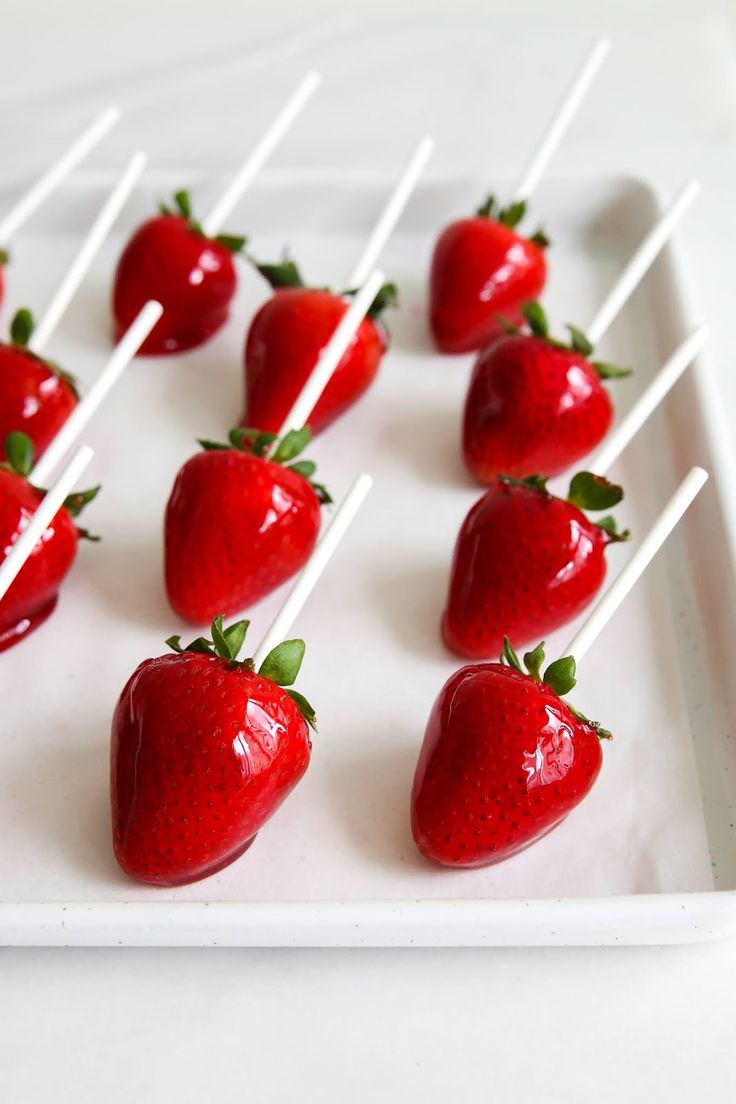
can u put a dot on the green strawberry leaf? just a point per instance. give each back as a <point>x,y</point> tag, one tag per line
<point>593,492</point>
<point>19,451</point>
<point>510,656</point>
<point>282,663</point>
<point>75,502</point>
<point>578,341</point>
<point>560,676</point>
<point>305,708</point>
<point>487,207</point>
<point>533,662</point>
<point>306,468</point>
<point>183,202</point>
<point>282,275</point>
<point>21,328</point>
<point>235,243</point>
<point>536,319</point>
<point>512,215</point>
<point>540,239</point>
<point>610,371</point>
<point>294,442</point>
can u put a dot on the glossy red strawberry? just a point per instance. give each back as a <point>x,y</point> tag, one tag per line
<point>482,267</point>
<point>203,752</point>
<point>193,277</point>
<point>535,404</point>
<point>36,396</point>
<point>285,340</point>
<point>526,562</point>
<point>33,595</point>
<point>237,524</point>
<point>504,760</point>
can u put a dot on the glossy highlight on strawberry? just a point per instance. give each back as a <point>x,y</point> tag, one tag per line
<point>239,524</point>
<point>193,277</point>
<point>203,751</point>
<point>503,762</point>
<point>285,340</point>
<point>535,404</point>
<point>482,267</point>
<point>33,595</point>
<point>36,396</point>
<point>526,562</point>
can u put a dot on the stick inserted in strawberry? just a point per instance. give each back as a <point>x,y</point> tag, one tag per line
<point>243,517</point>
<point>44,187</point>
<point>290,330</point>
<point>505,758</point>
<point>205,747</point>
<point>484,266</point>
<point>36,396</point>
<point>186,264</point>
<point>38,536</point>
<point>535,404</point>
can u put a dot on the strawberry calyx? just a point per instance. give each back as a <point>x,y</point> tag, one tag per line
<point>19,455</point>
<point>536,320</point>
<point>559,676</point>
<point>21,332</point>
<point>588,492</point>
<point>511,216</point>
<point>286,274</point>
<point>234,243</point>
<point>4,257</point>
<point>259,444</point>
<point>281,665</point>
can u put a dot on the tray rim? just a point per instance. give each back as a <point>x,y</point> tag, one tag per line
<point>627,919</point>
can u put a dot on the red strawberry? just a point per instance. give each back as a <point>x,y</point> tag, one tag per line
<point>526,563</point>
<point>192,276</point>
<point>535,404</point>
<point>504,760</point>
<point>36,396</point>
<point>239,525</point>
<point>33,595</point>
<point>285,340</point>
<point>483,268</point>
<point>203,752</point>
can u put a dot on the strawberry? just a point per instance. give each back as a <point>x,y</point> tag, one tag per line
<point>504,760</point>
<point>526,562</point>
<point>203,752</point>
<point>192,276</point>
<point>36,396</point>
<point>285,340</point>
<point>482,268</point>
<point>33,595</point>
<point>237,524</point>
<point>535,404</point>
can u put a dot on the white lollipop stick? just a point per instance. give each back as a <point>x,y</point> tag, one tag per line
<point>315,565</point>
<point>213,223</point>
<point>89,249</point>
<point>42,518</point>
<point>640,263</point>
<point>564,115</point>
<point>391,213</point>
<point>121,356</point>
<point>332,354</point>
<point>604,610</point>
<point>664,380</point>
<point>42,189</point>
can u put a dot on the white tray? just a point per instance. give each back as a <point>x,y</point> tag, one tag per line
<point>648,857</point>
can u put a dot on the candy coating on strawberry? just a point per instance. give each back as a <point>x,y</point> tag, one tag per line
<point>482,267</point>
<point>238,525</point>
<point>284,343</point>
<point>526,563</point>
<point>33,594</point>
<point>193,277</point>
<point>534,405</point>
<point>504,760</point>
<point>203,752</point>
<point>36,397</point>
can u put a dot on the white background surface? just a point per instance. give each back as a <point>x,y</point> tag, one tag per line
<point>507,1025</point>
